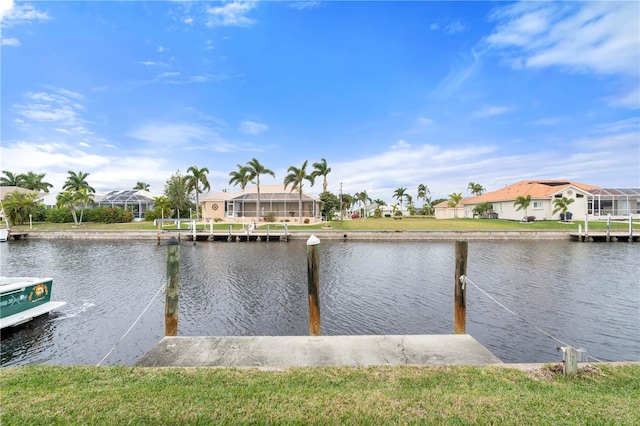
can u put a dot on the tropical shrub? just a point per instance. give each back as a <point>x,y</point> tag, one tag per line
<point>306,220</point>
<point>59,215</point>
<point>270,217</point>
<point>377,214</point>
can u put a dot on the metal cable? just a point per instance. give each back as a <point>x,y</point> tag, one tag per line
<point>132,325</point>
<point>464,279</point>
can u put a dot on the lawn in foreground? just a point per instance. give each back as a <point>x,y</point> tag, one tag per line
<point>598,394</point>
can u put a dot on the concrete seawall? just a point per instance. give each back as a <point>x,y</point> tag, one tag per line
<point>322,234</point>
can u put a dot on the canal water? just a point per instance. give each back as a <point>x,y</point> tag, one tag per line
<point>586,295</point>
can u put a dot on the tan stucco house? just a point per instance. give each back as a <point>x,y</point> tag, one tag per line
<point>241,206</point>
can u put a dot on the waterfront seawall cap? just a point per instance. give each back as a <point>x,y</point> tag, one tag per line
<point>313,241</point>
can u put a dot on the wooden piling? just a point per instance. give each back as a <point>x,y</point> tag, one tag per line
<point>171,290</point>
<point>570,361</point>
<point>313,283</point>
<point>460,297</point>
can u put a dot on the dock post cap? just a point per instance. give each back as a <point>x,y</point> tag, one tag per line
<point>173,241</point>
<point>313,241</point>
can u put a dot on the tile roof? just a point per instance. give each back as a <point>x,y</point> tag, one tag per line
<point>536,188</point>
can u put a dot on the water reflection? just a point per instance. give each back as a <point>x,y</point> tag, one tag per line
<point>585,294</point>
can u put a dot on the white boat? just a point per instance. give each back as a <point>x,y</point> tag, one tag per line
<point>4,234</point>
<point>24,298</point>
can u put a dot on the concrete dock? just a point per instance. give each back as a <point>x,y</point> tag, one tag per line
<point>306,351</point>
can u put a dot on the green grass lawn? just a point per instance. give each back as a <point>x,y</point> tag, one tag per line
<point>81,395</point>
<point>386,224</point>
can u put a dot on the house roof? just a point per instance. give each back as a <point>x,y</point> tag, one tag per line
<point>4,190</point>
<point>267,193</point>
<point>538,189</point>
<point>123,197</point>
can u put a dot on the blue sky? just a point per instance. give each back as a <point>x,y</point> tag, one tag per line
<point>392,94</point>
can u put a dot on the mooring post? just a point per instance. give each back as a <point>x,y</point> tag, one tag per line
<point>313,283</point>
<point>159,223</point>
<point>608,227</point>
<point>193,223</point>
<point>586,227</point>
<point>630,227</point>
<point>171,290</point>
<point>460,297</point>
<point>570,362</point>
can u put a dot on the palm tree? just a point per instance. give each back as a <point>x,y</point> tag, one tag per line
<point>399,194</point>
<point>11,179</point>
<point>68,199</point>
<point>476,189</point>
<point>522,203</point>
<point>34,182</point>
<point>321,169</point>
<point>77,181</point>
<point>562,204</point>
<point>345,202</point>
<point>141,186</point>
<point>240,177</point>
<point>427,207</point>
<point>423,190</point>
<point>255,170</point>
<point>84,198</point>
<point>380,203</point>
<point>194,180</point>
<point>363,197</point>
<point>454,200</point>
<point>296,177</point>
<point>19,205</point>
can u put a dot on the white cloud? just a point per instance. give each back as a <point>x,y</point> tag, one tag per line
<point>599,37</point>
<point>52,107</point>
<point>305,4</point>
<point>454,27</point>
<point>458,75</point>
<point>424,121</point>
<point>169,74</point>
<point>434,26</point>
<point>231,14</point>
<point>490,111</point>
<point>629,100</point>
<point>120,171</point>
<point>15,14</point>
<point>161,49</point>
<point>253,128</point>
<point>11,41</point>
<point>172,134</point>
<point>549,121</point>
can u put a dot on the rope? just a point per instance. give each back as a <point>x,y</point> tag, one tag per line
<point>132,325</point>
<point>464,279</point>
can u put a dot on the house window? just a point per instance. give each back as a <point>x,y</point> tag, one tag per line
<point>579,196</point>
<point>537,205</point>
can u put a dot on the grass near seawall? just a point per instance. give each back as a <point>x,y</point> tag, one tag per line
<point>598,394</point>
<point>387,224</point>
